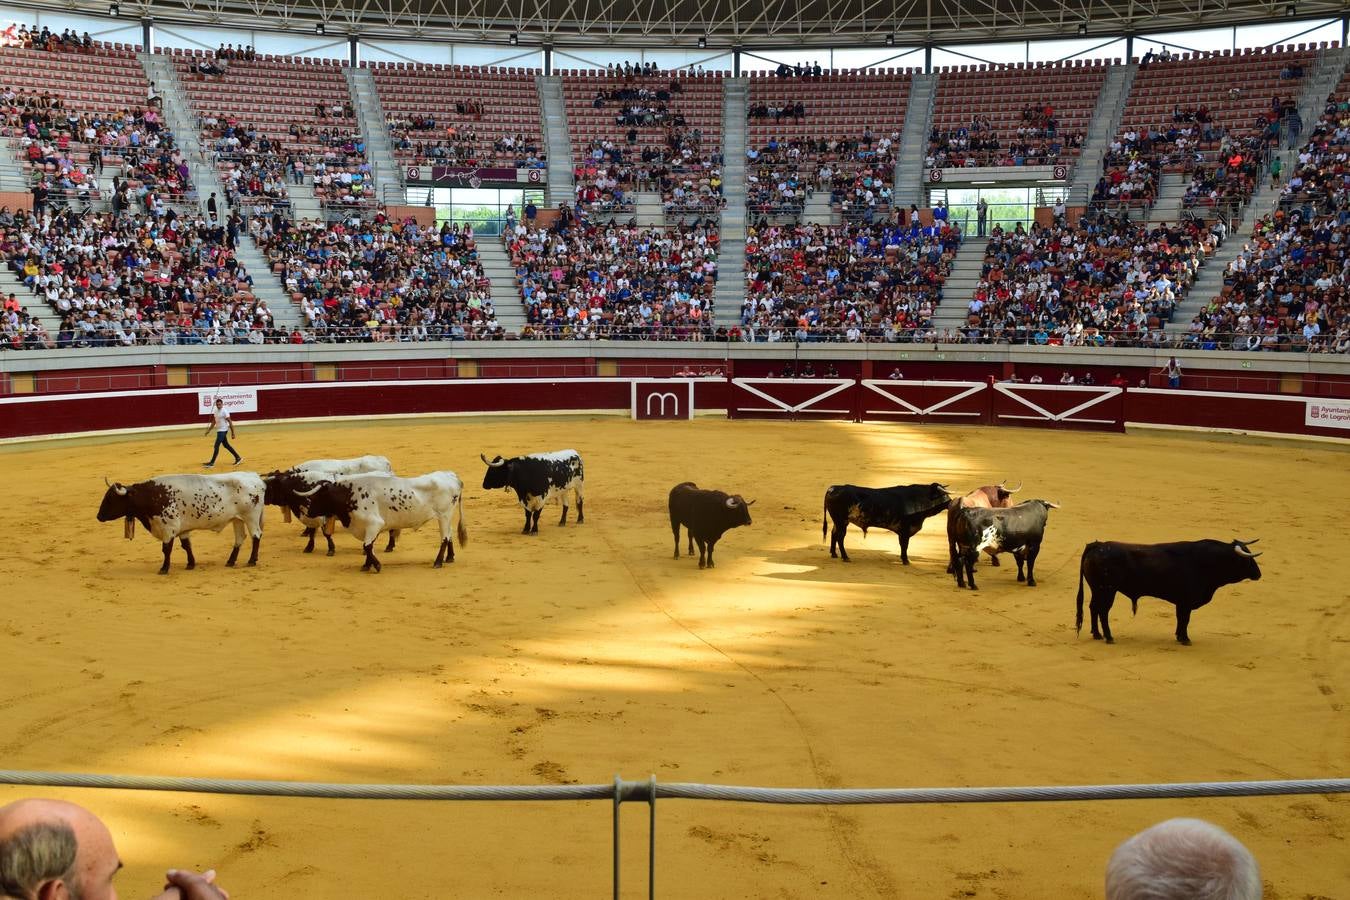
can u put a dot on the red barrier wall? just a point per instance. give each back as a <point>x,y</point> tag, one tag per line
<point>948,402</point>
<point>28,416</point>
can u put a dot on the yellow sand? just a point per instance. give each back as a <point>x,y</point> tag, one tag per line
<point>586,652</point>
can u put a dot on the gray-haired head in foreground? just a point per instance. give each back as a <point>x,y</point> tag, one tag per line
<point>39,853</point>
<point>1183,859</point>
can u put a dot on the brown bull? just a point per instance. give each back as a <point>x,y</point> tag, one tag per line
<point>991,496</point>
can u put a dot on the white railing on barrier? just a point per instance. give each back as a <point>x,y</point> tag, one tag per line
<point>651,790</point>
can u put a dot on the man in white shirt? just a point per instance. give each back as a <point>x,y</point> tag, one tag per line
<point>224,427</point>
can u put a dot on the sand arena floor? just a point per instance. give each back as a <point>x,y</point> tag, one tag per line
<point>587,651</point>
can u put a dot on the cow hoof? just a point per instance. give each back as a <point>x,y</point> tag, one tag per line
<point>1185,642</point>
<point>1096,637</point>
<point>332,552</point>
<point>993,561</point>
<point>845,559</point>
<point>436,565</point>
<point>307,550</point>
<point>1110,640</point>
<point>1021,578</point>
<point>904,562</point>
<point>253,563</point>
<point>163,571</point>
<point>1031,582</point>
<point>190,566</point>
<point>229,564</point>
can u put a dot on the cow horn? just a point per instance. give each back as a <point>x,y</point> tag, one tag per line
<point>731,502</point>
<point>494,462</point>
<point>749,503</point>
<point>1051,505</point>
<point>1246,543</point>
<point>1004,485</point>
<point>310,492</point>
<point>1243,551</point>
<point>119,488</point>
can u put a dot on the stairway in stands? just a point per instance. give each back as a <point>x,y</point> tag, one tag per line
<point>730,293</point>
<point>506,300</point>
<point>11,170</point>
<point>960,285</point>
<point>818,210</point>
<point>909,169</point>
<point>182,122</point>
<point>561,183</point>
<point>1101,131</point>
<point>386,172</point>
<point>1167,206</point>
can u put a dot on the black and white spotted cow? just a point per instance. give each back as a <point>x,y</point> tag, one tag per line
<point>171,506</point>
<point>371,503</point>
<point>1018,529</point>
<point>284,489</point>
<point>536,479</point>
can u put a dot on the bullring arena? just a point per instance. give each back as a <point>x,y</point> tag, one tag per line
<point>1069,281</point>
<point>587,651</point>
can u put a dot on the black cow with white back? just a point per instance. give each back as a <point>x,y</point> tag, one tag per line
<point>707,515</point>
<point>901,509</point>
<point>1184,573</point>
<point>1017,529</point>
<point>536,479</point>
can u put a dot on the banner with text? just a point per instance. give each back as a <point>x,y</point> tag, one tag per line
<point>236,399</point>
<point>464,176</point>
<point>1328,413</point>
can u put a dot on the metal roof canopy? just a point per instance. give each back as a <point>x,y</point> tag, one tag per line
<point>723,24</point>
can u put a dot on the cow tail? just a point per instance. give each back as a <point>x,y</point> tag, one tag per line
<point>461,532</point>
<point>1082,562</point>
<point>825,516</point>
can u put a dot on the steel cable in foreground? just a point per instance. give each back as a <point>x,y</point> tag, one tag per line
<point>649,791</point>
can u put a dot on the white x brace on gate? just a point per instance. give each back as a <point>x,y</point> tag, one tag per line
<point>831,387</point>
<point>1096,394</point>
<point>900,406</point>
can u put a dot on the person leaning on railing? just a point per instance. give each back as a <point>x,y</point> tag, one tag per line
<point>54,850</point>
<point>1183,859</point>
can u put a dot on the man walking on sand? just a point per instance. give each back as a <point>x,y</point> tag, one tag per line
<point>224,426</point>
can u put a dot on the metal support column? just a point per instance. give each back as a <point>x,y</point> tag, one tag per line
<point>353,50</point>
<point>148,35</point>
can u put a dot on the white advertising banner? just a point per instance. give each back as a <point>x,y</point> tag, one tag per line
<point>236,399</point>
<point>1328,414</point>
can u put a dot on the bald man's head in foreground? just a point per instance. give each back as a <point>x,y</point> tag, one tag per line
<point>53,850</point>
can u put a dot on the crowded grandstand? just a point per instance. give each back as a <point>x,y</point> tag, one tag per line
<point>1194,200</point>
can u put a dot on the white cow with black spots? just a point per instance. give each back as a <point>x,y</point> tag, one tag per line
<point>371,503</point>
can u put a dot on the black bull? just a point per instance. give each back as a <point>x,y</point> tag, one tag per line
<point>1185,574</point>
<point>1020,529</point>
<point>707,515</point>
<point>901,509</point>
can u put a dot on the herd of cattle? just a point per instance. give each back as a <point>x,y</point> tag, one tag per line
<point>367,499</point>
